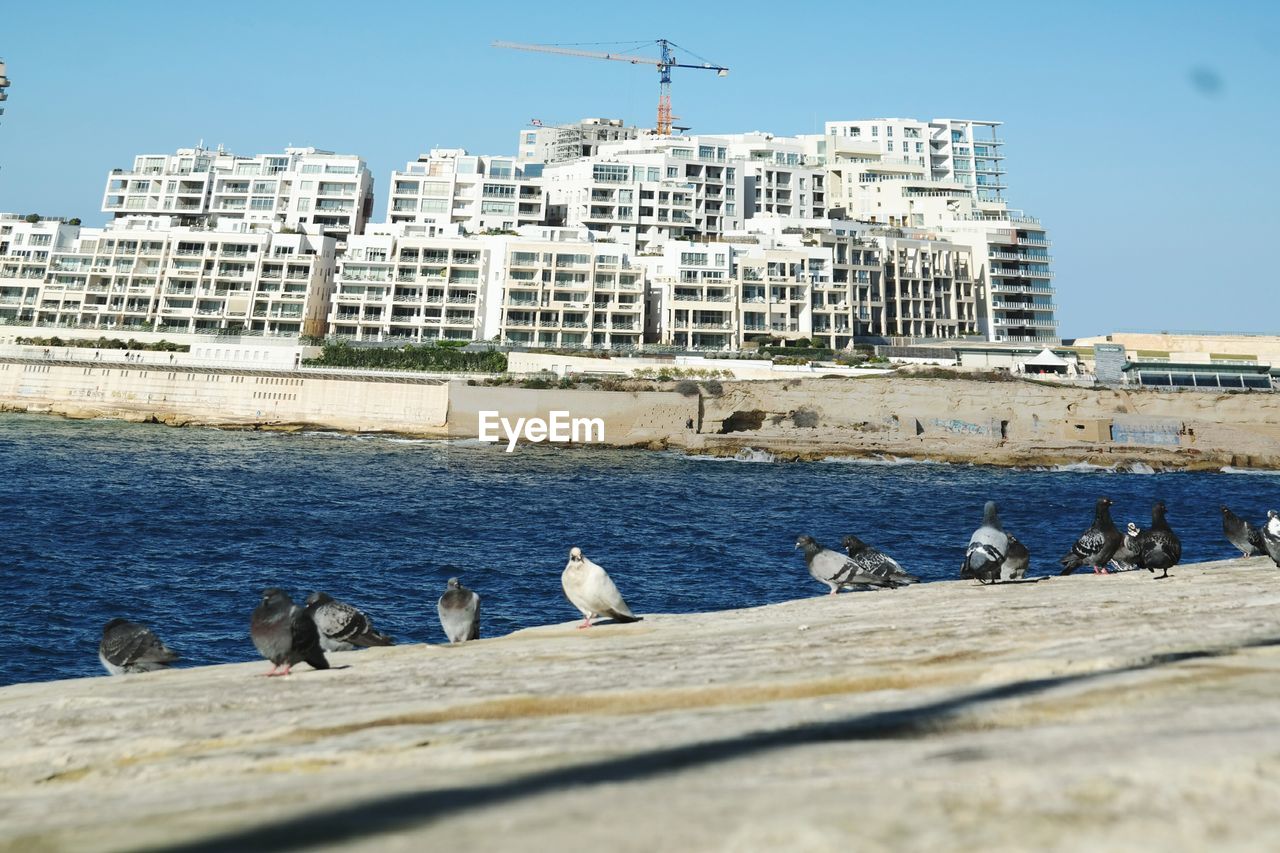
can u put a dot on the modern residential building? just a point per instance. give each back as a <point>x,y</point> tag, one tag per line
<point>540,143</point>
<point>540,287</point>
<point>649,191</point>
<point>303,188</point>
<point>480,193</point>
<point>144,275</point>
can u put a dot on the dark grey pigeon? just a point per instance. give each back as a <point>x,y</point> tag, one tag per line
<point>284,633</point>
<point>1127,553</point>
<point>1097,545</point>
<point>1016,561</point>
<point>1158,547</point>
<point>129,647</point>
<point>873,563</point>
<point>341,626</point>
<point>988,548</point>
<point>1270,536</point>
<point>1242,534</point>
<point>459,610</point>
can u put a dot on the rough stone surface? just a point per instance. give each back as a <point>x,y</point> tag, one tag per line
<point>1078,713</point>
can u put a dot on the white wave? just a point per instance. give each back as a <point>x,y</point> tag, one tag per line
<point>746,454</point>
<point>1252,472</point>
<point>890,461</point>
<point>1091,468</point>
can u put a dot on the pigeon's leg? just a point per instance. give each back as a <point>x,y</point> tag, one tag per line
<point>1163,576</point>
<point>271,671</point>
<point>1101,570</point>
<point>284,671</point>
<point>586,622</point>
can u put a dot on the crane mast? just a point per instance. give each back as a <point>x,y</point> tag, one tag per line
<point>663,64</point>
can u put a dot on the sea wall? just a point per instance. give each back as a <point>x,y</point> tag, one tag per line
<point>1010,422</point>
<point>182,395</point>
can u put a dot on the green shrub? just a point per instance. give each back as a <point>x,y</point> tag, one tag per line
<point>443,356</point>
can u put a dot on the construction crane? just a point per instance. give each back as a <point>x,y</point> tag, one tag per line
<point>665,63</point>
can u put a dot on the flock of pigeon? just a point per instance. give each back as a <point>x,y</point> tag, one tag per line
<point>286,634</point>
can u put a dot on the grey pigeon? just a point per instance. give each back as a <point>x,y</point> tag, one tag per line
<point>128,647</point>
<point>1240,533</point>
<point>988,549</point>
<point>341,626</point>
<point>1097,545</point>
<point>1128,551</point>
<point>1016,560</point>
<point>590,589</point>
<point>284,633</point>
<point>1158,547</point>
<point>834,569</point>
<point>1271,536</point>
<point>459,610</point>
<point>876,566</point>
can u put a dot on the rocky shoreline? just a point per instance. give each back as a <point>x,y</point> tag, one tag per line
<point>1010,423</point>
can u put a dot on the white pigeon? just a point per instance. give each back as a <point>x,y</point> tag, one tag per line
<point>459,611</point>
<point>590,589</point>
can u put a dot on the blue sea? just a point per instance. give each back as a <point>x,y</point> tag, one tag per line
<point>181,528</point>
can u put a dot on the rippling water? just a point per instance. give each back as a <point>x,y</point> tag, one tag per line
<point>181,528</point>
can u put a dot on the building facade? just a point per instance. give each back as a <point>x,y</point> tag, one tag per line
<point>303,188</point>
<point>143,275</point>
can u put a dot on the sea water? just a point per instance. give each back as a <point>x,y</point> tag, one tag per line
<point>180,529</point>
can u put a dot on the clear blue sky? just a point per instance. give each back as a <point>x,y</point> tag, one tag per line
<point>1144,134</point>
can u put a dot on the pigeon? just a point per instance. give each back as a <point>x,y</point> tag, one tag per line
<point>837,570</point>
<point>877,567</point>
<point>1097,545</point>
<point>1128,551</point>
<point>128,647</point>
<point>1158,547</point>
<point>1016,560</point>
<point>459,610</point>
<point>341,626</point>
<point>988,550</point>
<point>1242,534</point>
<point>284,633</point>
<point>590,589</point>
<point>1270,536</point>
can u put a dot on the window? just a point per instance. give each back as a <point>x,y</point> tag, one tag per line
<point>530,138</point>
<point>609,173</point>
<point>500,169</point>
<point>875,131</point>
<point>435,205</point>
<point>653,173</point>
<point>673,172</point>
<point>504,208</point>
<point>888,131</point>
<point>890,145</point>
<point>311,168</point>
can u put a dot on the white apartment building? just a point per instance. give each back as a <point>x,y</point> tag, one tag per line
<point>407,282</point>
<point>303,188</point>
<point>545,287</point>
<point>569,292</point>
<point>145,275</point>
<point>480,193</point>
<point>541,143</point>
<point>648,191</point>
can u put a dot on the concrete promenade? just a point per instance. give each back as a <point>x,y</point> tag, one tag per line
<point>1080,713</point>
